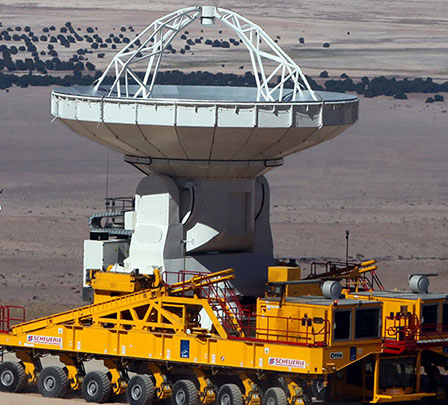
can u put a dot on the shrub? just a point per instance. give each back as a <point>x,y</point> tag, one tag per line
<point>400,96</point>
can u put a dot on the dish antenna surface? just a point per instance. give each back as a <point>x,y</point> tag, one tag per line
<point>205,202</point>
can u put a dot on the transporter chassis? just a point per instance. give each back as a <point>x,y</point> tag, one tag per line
<point>155,332</point>
<point>141,325</point>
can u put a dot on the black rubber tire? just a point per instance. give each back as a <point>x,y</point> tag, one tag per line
<point>12,376</point>
<point>96,387</point>
<point>184,392</point>
<point>275,396</point>
<point>319,390</point>
<point>140,390</point>
<point>53,382</point>
<point>229,394</point>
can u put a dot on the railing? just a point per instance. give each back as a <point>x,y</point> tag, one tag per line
<point>116,205</point>
<point>353,275</point>
<point>123,204</point>
<point>312,332</point>
<point>403,332</point>
<point>221,297</point>
<point>111,221</point>
<point>433,331</point>
<point>242,322</point>
<point>10,315</point>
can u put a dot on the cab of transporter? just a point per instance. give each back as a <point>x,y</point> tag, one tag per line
<point>412,320</point>
<point>314,313</point>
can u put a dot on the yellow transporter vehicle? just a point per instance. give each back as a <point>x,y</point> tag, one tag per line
<point>155,330</point>
<point>415,336</point>
<point>415,326</point>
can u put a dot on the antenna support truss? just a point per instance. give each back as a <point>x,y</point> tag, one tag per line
<point>154,41</point>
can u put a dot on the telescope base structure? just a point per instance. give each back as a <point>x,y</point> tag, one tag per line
<point>203,225</point>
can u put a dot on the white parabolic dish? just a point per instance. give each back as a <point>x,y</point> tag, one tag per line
<point>204,131</point>
<point>183,132</point>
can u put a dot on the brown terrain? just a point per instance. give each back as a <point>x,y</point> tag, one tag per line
<point>385,179</point>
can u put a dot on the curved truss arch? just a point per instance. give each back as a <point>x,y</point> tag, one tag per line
<point>154,40</point>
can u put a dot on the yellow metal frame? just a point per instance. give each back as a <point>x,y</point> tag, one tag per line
<point>150,325</point>
<point>162,386</point>
<point>75,370</point>
<point>153,323</point>
<point>399,394</point>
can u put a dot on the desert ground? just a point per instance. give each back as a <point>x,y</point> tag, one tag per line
<point>385,179</point>
<point>400,38</point>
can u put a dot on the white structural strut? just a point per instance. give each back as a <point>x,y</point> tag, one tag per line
<point>154,41</point>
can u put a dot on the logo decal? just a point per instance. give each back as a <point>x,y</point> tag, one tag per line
<point>352,353</point>
<point>281,362</point>
<point>44,340</point>
<point>185,349</point>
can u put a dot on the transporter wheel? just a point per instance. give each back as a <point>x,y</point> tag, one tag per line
<point>140,390</point>
<point>12,376</point>
<point>230,394</point>
<point>275,396</point>
<point>184,393</point>
<point>96,387</point>
<point>53,382</point>
<point>319,390</point>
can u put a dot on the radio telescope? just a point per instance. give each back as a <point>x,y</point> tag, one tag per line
<point>204,204</point>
